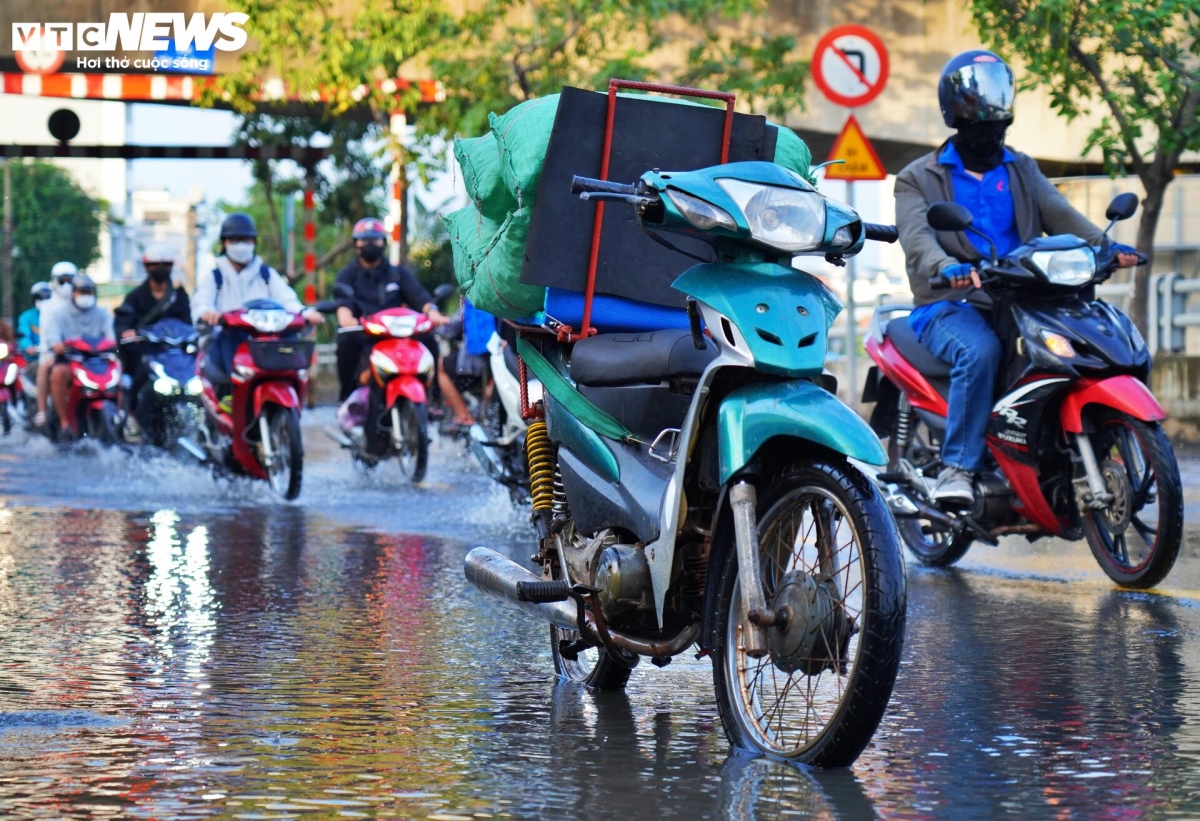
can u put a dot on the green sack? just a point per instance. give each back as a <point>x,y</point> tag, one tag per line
<point>496,286</point>
<point>792,153</point>
<point>479,158</point>
<point>471,233</point>
<point>523,134</point>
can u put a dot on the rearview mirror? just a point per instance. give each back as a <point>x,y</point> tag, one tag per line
<point>949,216</point>
<point>325,307</point>
<point>1122,207</point>
<point>442,291</point>
<point>343,291</point>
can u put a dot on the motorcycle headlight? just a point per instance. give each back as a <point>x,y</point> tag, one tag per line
<point>3,350</point>
<point>269,322</point>
<point>699,213</point>
<point>383,364</point>
<point>786,219</point>
<point>10,375</point>
<point>166,387</point>
<point>195,387</point>
<point>402,326</point>
<point>1074,266</point>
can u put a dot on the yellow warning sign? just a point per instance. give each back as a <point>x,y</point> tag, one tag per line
<point>861,161</point>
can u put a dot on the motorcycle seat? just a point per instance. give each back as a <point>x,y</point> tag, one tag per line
<point>638,358</point>
<point>906,342</point>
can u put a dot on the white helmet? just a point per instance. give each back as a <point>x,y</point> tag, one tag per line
<point>158,252</point>
<point>63,269</point>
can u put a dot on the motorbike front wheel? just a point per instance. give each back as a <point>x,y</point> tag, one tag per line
<point>413,447</point>
<point>102,424</point>
<point>1136,538</point>
<point>829,556</point>
<point>286,468</point>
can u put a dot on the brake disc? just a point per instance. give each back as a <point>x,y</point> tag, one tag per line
<point>1118,514</point>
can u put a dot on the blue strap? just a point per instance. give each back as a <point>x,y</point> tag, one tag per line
<point>264,271</point>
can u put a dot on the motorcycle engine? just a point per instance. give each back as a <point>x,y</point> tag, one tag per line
<point>623,579</point>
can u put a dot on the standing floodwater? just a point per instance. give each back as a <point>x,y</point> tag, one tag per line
<point>178,648</point>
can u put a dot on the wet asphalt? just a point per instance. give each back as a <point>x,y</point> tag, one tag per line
<point>174,647</point>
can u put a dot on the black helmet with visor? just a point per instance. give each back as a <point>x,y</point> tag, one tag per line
<point>975,87</point>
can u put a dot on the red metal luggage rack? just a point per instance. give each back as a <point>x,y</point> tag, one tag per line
<point>565,332</point>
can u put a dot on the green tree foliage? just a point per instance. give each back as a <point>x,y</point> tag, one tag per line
<point>1137,62</point>
<point>499,53</point>
<point>53,220</point>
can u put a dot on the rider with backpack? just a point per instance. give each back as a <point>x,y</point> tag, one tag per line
<point>239,277</point>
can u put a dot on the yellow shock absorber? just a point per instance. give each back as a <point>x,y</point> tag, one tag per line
<point>540,453</point>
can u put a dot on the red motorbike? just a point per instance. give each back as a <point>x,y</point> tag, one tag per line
<point>11,396</point>
<point>258,433</point>
<point>387,416</point>
<point>1075,448</point>
<point>92,397</point>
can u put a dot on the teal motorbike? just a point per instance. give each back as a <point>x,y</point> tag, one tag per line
<point>698,486</point>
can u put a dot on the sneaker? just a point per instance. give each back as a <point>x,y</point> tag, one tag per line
<point>226,404</point>
<point>954,486</point>
<point>39,420</point>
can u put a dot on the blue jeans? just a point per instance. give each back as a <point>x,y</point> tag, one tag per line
<point>964,338</point>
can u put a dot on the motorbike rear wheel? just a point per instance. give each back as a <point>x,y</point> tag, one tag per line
<point>413,455</point>
<point>6,411</point>
<point>932,544</point>
<point>1137,538</point>
<point>829,552</point>
<point>286,471</point>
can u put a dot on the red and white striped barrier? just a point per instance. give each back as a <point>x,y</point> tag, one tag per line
<point>179,87</point>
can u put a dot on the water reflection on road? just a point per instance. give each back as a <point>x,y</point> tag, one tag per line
<point>210,658</point>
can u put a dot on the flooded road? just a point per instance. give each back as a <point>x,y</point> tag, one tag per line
<point>174,647</point>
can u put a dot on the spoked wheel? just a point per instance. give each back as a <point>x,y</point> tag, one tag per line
<point>285,468</point>
<point>1136,538</point>
<point>413,453</point>
<point>933,544</point>
<point>830,558</point>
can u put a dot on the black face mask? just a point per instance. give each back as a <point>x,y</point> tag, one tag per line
<point>159,275</point>
<point>981,145</point>
<point>371,253</point>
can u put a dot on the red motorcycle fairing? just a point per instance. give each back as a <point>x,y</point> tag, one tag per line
<point>1123,393</point>
<point>276,391</point>
<point>908,379</point>
<point>94,389</point>
<point>1031,502</point>
<point>408,386</point>
<point>408,355</point>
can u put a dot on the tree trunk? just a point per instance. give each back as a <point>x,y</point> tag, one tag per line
<point>1151,210</point>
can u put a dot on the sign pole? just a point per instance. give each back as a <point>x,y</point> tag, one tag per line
<point>851,324</point>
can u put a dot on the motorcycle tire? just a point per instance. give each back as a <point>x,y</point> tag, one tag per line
<point>413,457</point>
<point>931,544</point>
<point>594,668</point>
<point>102,425</point>
<point>6,414</point>
<point>283,426</point>
<point>1115,436</point>
<point>845,653</point>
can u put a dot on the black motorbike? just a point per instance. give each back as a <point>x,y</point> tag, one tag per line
<point>168,408</point>
<point>1076,449</point>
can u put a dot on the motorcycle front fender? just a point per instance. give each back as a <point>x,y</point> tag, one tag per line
<point>752,415</point>
<point>409,387</point>
<point>1123,393</point>
<point>277,392</point>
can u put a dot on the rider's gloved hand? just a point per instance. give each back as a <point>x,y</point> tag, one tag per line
<point>1127,255</point>
<point>961,274</point>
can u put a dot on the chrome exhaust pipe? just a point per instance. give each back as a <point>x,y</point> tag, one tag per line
<point>498,576</point>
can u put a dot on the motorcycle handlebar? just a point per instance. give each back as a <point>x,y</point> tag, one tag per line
<point>937,282</point>
<point>581,185</point>
<point>880,233</point>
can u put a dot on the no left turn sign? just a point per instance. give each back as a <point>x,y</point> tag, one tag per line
<point>850,65</point>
